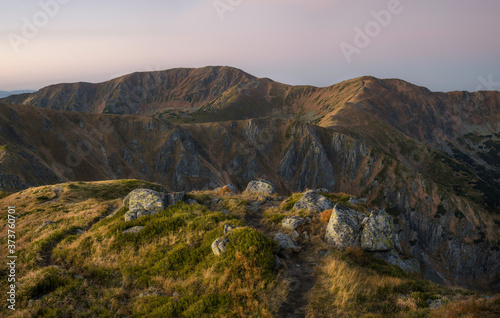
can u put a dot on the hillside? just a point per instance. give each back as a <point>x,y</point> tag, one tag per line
<point>80,259</point>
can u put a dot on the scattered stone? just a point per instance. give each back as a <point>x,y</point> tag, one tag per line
<point>292,223</point>
<point>435,304</point>
<point>79,232</point>
<point>313,201</point>
<point>277,262</point>
<point>78,277</point>
<point>192,202</point>
<point>324,253</point>
<point>46,223</point>
<point>377,232</point>
<point>134,230</point>
<point>284,241</point>
<point>306,235</point>
<point>297,265</point>
<point>295,235</point>
<point>261,187</point>
<point>344,228</point>
<point>176,294</point>
<point>219,245</point>
<point>224,211</point>
<point>308,220</point>
<point>227,228</point>
<point>356,200</point>
<point>253,208</point>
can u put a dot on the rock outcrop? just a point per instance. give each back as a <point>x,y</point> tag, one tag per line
<point>313,201</point>
<point>261,187</point>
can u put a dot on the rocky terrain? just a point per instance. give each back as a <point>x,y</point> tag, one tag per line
<point>217,253</point>
<point>431,160</point>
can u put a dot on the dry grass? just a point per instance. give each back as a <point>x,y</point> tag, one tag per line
<point>470,307</point>
<point>325,216</point>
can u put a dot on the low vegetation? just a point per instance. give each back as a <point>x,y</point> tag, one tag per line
<point>84,265</point>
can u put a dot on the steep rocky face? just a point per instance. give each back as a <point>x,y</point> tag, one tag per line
<point>452,236</point>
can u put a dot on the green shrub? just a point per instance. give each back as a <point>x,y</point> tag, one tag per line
<point>290,202</point>
<point>257,250</point>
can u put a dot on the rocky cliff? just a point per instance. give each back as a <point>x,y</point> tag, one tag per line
<point>453,237</point>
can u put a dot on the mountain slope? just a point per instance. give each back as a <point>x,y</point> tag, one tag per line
<point>138,93</point>
<point>435,222</point>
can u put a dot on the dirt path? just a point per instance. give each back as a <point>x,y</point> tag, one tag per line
<point>300,272</point>
<point>297,268</point>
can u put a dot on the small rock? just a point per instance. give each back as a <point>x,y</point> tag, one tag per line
<point>224,211</point>
<point>295,235</point>
<point>133,230</point>
<point>46,223</point>
<point>292,223</point>
<point>435,304</point>
<point>219,245</point>
<point>191,202</point>
<point>253,208</point>
<point>306,235</point>
<point>284,241</point>
<point>79,232</point>
<point>227,228</point>
<point>324,253</point>
<point>297,265</point>
<point>277,262</point>
<point>308,220</point>
<point>356,200</point>
<point>78,277</point>
<point>176,294</point>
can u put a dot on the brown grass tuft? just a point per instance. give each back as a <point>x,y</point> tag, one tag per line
<point>325,216</point>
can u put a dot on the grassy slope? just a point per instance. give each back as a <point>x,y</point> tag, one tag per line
<point>168,269</point>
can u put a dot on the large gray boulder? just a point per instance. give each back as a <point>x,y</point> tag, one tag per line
<point>148,202</point>
<point>261,187</point>
<point>344,227</point>
<point>377,235</point>
<point>313,201</point>
<point>292,223</point>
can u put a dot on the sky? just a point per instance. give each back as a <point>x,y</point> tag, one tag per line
<point>444,45</point>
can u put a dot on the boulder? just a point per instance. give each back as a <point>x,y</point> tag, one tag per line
<point>344,227</point>
<point>147,199</point>
<point>284,241</point>
<point>219,245</point>
<point>292,223</point>
<point>313,201</point>
<point>261,187</point>
<point>133,230</point>
<point>148,202</point>
<point>377,235</point>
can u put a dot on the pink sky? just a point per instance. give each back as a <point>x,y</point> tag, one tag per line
<point>444,45</point>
